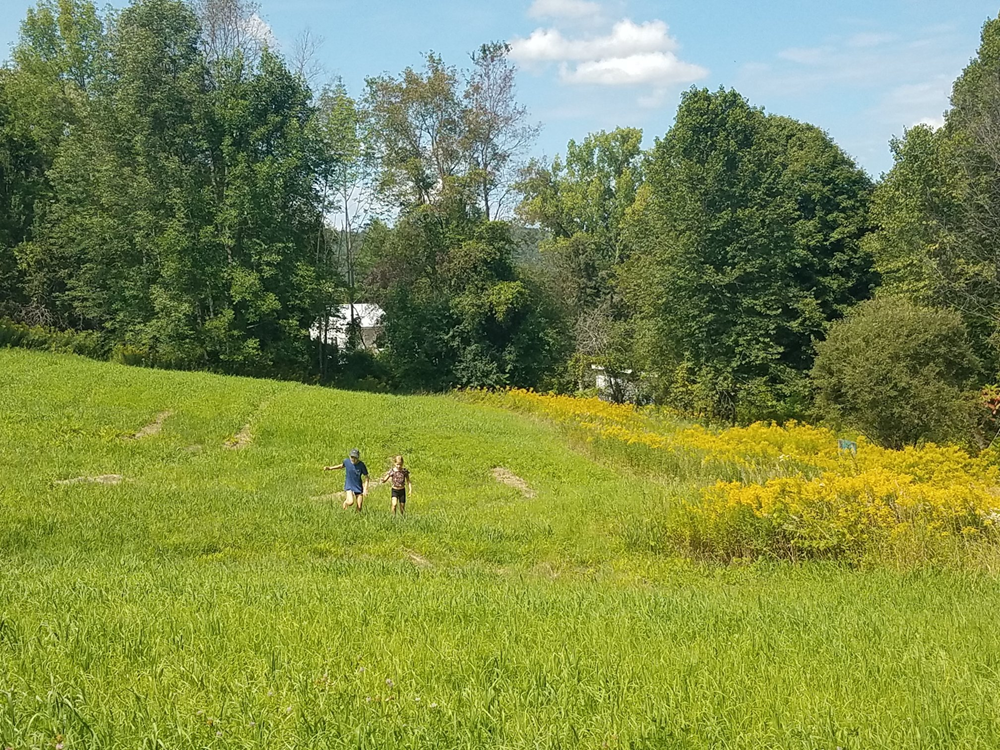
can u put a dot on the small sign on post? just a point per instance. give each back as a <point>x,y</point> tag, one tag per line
<point>848,446</point>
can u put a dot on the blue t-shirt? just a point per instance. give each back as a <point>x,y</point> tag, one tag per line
<point>352,475</point>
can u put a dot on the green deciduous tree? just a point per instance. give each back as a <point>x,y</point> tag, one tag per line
<point>582,201</point>
<point>745,246</point>
<point>185,207</point>
<point>22,184</point>
<point>438,132</point>
<point>936,210</point>
<point>457,312</point>
<point>43,95</point>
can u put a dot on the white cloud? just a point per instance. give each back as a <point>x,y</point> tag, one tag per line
<point>905,73</point>
<point>573,9</point>
<point>659,69</point>
<point>631,54</point>
<point>626,39</point>
<point>259,29</point>
<point>934,122</point>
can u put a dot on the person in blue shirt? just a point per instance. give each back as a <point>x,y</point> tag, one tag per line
<point>355,479</point>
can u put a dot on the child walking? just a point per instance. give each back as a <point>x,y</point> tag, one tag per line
<point>400,479</point>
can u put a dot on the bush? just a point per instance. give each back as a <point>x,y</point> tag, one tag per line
<point>85,343</point>
<point>133,356</point>
<point>899,373</point>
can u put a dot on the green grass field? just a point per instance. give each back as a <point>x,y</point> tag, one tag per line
<point>219,597</point>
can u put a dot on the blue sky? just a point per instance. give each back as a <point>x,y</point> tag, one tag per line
<point>861,69</point>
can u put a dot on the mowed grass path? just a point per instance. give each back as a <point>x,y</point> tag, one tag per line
<point>219,597</point>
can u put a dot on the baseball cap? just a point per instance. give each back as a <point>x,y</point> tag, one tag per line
<point>355,453</point>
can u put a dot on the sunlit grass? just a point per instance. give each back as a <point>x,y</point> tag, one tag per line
<point>220,597</point>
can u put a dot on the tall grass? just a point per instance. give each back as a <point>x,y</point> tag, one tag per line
<point>220,598</point>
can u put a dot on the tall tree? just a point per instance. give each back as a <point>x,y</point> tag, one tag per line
<point>457,311</point>
<point>417,132</point>
<point>185,205</point>
<point>128,186</point>
<point>43,96</point>
<point>347,173</point>
<point>268,212</point>
<point>497,131</point>
<point>22,184</point>
<point>438,131</point>
<point>936,210</point>
<point>582,202</point>
<point>746,246</point>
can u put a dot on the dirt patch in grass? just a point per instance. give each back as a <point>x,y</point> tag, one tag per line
<point>102,479</point>
<point>153,428</point>
<point>506,476</point>
<point>417,559</point>
<point>241,439</point>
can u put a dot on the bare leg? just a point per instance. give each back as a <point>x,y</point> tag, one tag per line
<point>360,499</point>
<point>352,499</point>
<point>395,502</point>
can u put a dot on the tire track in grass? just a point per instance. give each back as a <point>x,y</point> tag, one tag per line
<point>246,436</point>
<point>153,428</point>
<point>102,479</point>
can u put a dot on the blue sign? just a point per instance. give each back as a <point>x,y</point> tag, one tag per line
<point>848,445</point>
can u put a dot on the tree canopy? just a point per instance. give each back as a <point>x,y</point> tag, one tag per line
<point>175,188</point>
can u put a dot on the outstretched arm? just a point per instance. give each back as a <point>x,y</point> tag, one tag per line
<point>333,468</point>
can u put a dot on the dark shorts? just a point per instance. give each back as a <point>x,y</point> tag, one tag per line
<point>399,495</point>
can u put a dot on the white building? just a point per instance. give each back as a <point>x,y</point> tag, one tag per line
<point>618,389</point>
<point>368,318</point>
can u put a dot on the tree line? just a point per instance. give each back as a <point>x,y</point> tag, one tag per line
<point>185,195</point>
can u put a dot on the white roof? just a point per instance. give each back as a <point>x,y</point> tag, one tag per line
<point>367,314</point>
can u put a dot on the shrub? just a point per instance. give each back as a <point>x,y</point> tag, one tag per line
<point>899,373</point>
<point>133,356</point>
<point>85,343</point>
<point>790,492</point>
<point>924,499</point>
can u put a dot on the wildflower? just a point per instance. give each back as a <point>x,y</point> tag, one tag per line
<point>368,699</point>
<point>288,710</point>
<point>389,682</point>
<point>270,693</point>
<point>201,712</point>
<point>252,724</point>
<point>416,698</point>
<point>217,734</point>
<point>59,746</point>
<point>434,705</point>
<point>361,670</point>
